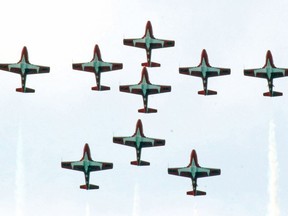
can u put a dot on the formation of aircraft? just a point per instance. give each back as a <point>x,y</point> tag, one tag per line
<point>97,66</point>
<point>194,171</point>
<point>145,88</point>
<point>23,67</point>
<point>269,71</point>
<point>149,42</point>
<point>204,70</point>
<point>87,165</point>
<point>138,140</point>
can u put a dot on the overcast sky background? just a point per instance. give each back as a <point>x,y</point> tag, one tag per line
<point>239,131</point>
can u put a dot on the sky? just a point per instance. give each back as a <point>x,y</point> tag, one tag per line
<point>239,131</point>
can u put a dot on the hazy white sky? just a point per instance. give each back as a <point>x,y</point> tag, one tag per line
<point>239,130</point>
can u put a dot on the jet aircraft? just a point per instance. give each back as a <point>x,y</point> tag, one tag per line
<point>149,42</point>
<point>97,66</point>
<point>23,67</point>
<point>269,71</point>
<point>87,165</point>
<point>145,88</point>
<point>204,70</point>
<point>139,141</point>
<point>194,171</point>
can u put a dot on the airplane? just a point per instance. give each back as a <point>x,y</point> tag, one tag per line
<point>87,165</point>
<point>149,42</point>
<point>97,66</point>
<point>145,88</point>
<point>23,67</point>
<point>139,141</point>
<point>194,171</point>
<point>204,70</point>
<point>269,71</point>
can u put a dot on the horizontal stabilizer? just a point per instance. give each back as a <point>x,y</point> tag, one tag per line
<point>196,193</point>
<point>90,187</point>
<point>102,88</point>
<point>208,92</point>
<point>26,90</point>
<point>152,64</point>
<point>149,110</point>
<point>274,94</point>
<point>141,163</point>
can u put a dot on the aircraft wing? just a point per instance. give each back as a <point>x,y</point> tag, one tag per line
<point>111,67</point>
<point>206,172</point>
<point>211,71</point>
<point>201,172</point>
<point>134,89</point>
<point>262,73</point>
<point>35,69</point>
<point>154,43</point>
<point>128,141</point>
<point>156,89</point>
<point>146,142</point>
<point>254,73</point>
<point>101,67</point>
<point>136,42</point>
<point>78,66</point>
<point>160,43</point>
<point>180,172</point>
<point>74,165</point>
<point>151,142</point>
<point>29,68</point>
<point>4,67</point>
<point>93,165</point>
<point>97,166</point>
<point>151,89</point>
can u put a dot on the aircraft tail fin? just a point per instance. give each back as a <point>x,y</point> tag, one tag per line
<point>102,88</point>
<point>196,193</point>
<point>208,92</point>
<point>141,163</point>
<point>274,94</point>
<point>25,90</point>
<point>149,110</point>
<point>89,187</point>
<point>151,64</point>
